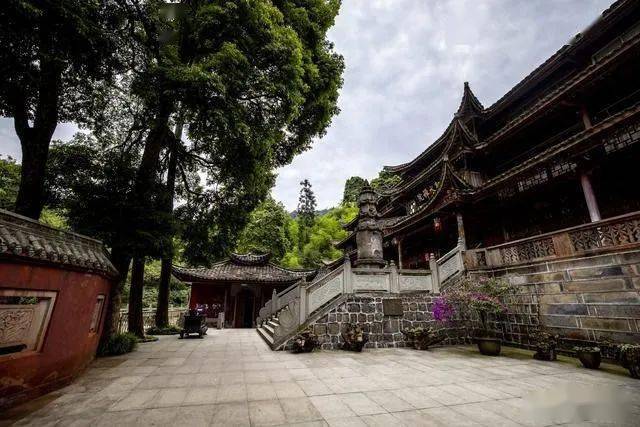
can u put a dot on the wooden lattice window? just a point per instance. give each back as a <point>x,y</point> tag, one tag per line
<point>561,168</point>
<point>623,138</point>
<point>532,180</point>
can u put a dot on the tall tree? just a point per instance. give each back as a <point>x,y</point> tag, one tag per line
<point>256,81</point>
<point>306,212</point>
<point>135,323</point>
<point>162,306</point>
<point>55,56</point>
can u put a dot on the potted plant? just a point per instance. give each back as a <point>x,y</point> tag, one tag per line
<point>472,300</point>
<point>354,338</point>
<point>422,338</point>
<point>630,358</point>
<point>589,356</point>
<point>546,344</point>
<point>305,342</point>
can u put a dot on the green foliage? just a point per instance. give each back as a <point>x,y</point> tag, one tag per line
<point>266,230</point>
<point>178,291</point>
<point>352,188</point>
<point>56,218</point>
<point>353,185</point>
<point>9,182</point>
<point>270,229</point>
<point>118,344</point>
<point>385,180</point>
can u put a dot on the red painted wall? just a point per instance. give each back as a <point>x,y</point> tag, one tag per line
<point>68,345</point>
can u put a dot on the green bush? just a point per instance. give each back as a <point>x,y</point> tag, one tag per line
<point>118,344</point>
<point>169,330</point>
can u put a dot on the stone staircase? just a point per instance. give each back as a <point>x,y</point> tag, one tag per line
<point>302,304</point>
<point>267,330</point>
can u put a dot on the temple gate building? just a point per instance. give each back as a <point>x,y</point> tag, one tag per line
<point>237,287</point>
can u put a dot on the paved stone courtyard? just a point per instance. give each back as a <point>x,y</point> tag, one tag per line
<point>231,378</point>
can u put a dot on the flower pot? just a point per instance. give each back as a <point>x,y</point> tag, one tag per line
<point>421,344</point>
<point>590,359</point>
<point>545,354</point>
<point>634,368</point>
<point>489,346</point>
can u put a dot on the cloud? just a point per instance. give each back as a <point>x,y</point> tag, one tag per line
<point>406,61</point>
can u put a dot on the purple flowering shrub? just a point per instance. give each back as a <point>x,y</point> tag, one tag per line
<point>482,296</point>
<point>443,311</point>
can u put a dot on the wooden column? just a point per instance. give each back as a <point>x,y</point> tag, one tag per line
<point>235,310</point>
<point>584,115</point>
<point>590,197</point>
<point>585,181</point>
<point>462,241</point>
<point>400,266</point>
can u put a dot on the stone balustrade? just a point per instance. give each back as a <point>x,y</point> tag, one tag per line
<point>303,301</point>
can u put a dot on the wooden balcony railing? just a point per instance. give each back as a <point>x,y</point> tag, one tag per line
<point>617,233</point>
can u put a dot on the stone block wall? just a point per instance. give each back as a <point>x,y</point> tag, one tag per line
<point>587,300</point>
<point>366,310</point>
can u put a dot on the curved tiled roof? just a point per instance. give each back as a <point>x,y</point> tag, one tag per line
<point>250,259</point>
<point>27,239</point>
<point>249,268</point>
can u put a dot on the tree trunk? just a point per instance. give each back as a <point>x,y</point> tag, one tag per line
<point>35,150</point>
<point>121,262</point>
<point>35,139</point>
<point>135,320</point>
<point>162,306</point>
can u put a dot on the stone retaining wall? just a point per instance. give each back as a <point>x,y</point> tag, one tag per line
<point>586,300</point>
<point>366,310</point>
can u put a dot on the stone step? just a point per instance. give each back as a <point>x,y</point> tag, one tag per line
<point>265,336</point>
<point>273,323</point>
<point>269,329</point>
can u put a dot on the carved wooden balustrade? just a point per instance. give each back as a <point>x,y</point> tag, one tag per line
<point>617,233</point>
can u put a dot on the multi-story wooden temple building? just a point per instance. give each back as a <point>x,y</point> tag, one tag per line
<point>558,150</point>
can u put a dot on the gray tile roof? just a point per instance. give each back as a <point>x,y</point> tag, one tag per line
<point>24,238</point>
<point>249,268</point>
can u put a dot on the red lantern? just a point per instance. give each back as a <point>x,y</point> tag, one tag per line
<point>437,224</point>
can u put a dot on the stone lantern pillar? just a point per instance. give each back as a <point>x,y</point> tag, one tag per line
<point>368,231</point>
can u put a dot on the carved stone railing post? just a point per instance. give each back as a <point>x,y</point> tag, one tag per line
<point>274,302</point>
<point>303,302</point>
<point>348,276</point>
<point>394,279</point>
<point>435,276</point>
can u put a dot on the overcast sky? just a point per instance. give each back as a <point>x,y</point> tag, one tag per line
<point>406,61</point>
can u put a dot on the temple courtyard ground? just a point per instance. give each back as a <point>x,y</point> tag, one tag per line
<point>231,378</point>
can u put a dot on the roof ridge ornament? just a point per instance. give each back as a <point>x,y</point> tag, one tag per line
<point>250,258</point>
<point>469,104</point>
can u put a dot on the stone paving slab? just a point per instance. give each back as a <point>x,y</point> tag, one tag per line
<point>232,378</point>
